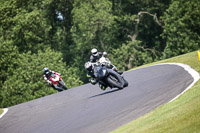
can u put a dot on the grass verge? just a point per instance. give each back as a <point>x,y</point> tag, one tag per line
<point>180,116</point>
<point>1,111</point>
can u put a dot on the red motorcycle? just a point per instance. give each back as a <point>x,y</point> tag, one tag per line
<point>57,82</point>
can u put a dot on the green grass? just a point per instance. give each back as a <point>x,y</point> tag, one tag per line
<point>1,111</point>
<point>179,116</point>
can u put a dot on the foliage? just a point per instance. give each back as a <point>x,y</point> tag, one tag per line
<point>132,32</point>
<point>181,28</point>
<point>93,21</point>
<point>93,27</point>
<point>132,55</point>
<point>139,21</point>
<point>27,83</point>
<point>7,61</point>
<point>26,28</point>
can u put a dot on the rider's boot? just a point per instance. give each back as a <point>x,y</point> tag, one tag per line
<point>102,87</point>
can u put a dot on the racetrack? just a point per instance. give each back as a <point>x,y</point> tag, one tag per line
<point>87,109</point>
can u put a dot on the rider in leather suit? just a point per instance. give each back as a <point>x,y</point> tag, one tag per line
<point>90,75</point>
<point>97,55</point>
<point>47,75</point>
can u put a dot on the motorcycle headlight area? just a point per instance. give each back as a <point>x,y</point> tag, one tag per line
<point>104,72</point>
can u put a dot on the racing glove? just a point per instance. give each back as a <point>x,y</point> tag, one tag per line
<point>93,81</point>
<point>49,82</point>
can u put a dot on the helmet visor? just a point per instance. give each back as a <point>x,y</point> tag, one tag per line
<point>95,54</point>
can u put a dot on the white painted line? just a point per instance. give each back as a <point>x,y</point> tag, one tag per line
<point>4,112</point>
<point>192,72</point>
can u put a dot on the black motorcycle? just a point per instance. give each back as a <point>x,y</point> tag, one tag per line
<point>109,77</point>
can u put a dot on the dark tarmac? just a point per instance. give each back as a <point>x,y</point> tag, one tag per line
<point>88,109</point>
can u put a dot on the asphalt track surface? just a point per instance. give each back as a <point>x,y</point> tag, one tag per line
<point>87,109</point>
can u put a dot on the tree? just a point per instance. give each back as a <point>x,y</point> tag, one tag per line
<point>27,83</point>
<point>140,27</point>
<point>181,29</point>
<point>132,55</point>
<point>59,17</point>
<point>93,23</point>
<point>8,61</point>
<point>24,25</point>
<point>93,27</point>
<point>135,52</point>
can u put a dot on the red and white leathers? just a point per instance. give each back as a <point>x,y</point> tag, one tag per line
<point>47,76</point>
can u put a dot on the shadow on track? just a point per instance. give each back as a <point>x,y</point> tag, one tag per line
<point>105,93</point>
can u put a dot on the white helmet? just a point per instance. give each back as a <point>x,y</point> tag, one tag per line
<point>94,52</point>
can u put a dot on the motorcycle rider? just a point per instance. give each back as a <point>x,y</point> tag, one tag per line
<point>47,75</point>
<point>90,74</point>
<point>97,55</point>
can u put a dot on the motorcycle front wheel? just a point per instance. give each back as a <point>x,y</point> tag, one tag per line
<point>62,84</point>
<point>114,82</point>
<point>125,83</point>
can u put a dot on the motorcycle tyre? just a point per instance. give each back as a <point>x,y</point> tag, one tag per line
<point>63,85</point>
<point>125,83</point>
<point>58,89</point>
<point>114,84</point>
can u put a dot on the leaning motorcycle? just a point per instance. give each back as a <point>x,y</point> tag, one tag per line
<point>109,77</point>
<point>57,82</point>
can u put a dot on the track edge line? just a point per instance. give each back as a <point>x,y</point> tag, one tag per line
<point>5,110</point>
